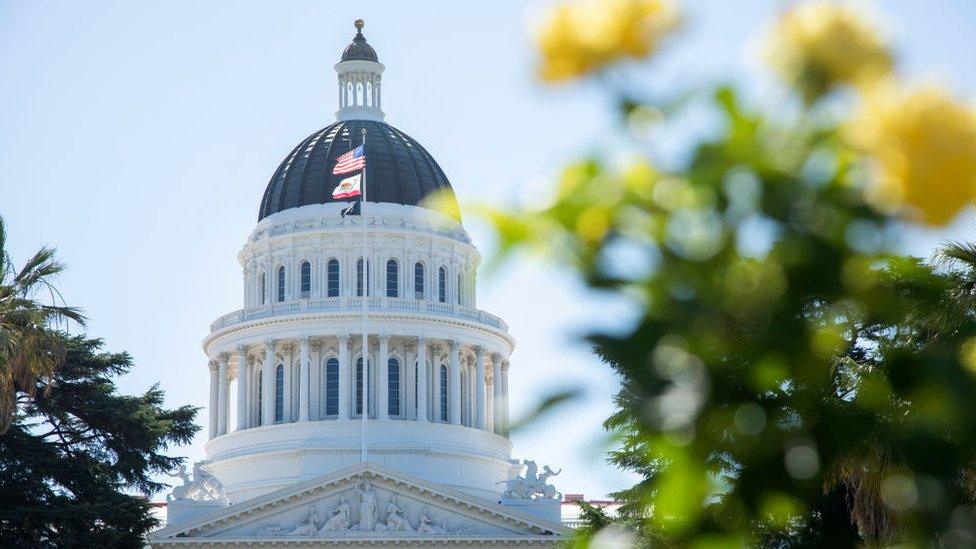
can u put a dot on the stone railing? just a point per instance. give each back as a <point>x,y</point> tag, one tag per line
<point>354,305</point>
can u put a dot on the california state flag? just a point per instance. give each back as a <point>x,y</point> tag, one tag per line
<point>348,187</point>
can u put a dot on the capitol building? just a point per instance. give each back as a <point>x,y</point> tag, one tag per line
<point>321,437</point>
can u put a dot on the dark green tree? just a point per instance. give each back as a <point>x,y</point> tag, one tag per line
<point>79,456</point>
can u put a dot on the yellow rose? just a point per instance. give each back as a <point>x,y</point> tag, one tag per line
<point>817,46</point>
<point>586,35</point>
<point>924,147</point>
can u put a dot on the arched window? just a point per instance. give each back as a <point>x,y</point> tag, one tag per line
<point>359,94</point>
<point>443,394</point>
<point>418,280</point>
<point>369,94</point>
<point>260,391</point>
<point>442,285</point>
<point>264,289</point>
<point>281,284</point>
<point>348,94</point>
<point>392,278</point>
<point>333,278</point>
<point>460,288</point>
<point>306,279</point>
<point>332,387</point>
<point>393,386</point>
<point>359,278</point>
<point>279,413</point>
<point>359,386</point>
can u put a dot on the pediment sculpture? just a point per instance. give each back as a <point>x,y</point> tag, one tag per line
<point>533,485</point>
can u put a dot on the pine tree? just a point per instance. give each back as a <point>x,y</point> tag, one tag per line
<point>79,457</point>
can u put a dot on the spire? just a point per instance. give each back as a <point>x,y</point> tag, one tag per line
<point>359,72</point>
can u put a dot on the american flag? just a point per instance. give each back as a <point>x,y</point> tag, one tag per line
<point>352,161</point>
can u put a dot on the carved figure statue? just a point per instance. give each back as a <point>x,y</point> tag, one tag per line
<point>308,526</point>
<point>339,521</point>
<point>532,485</point>
<point>368,508</point>
<point>202,487</point>
<point>426,525</point>
<point>395,521</point>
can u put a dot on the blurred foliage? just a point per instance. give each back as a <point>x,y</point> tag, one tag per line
<point>791,381</point>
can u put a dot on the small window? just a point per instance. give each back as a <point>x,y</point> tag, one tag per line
<point>392,278</point>
<point>442,285</point>
<point>264,289</point>
<point>332,387</point>
<point>306,279</point>
<point>418,281</point>
<point>359,278</point>
<point>393,386</point>
<point>281,284</point>
<point>443,394</point>
<point>279,393</point>
<point>333,278</point>
<point>460,288</point>
<point>359,386</point>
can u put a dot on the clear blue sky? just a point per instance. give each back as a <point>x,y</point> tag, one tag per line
<point>138,138</point>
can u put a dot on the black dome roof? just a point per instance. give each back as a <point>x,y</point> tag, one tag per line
<point>359,50</point>
<point>398,169</point>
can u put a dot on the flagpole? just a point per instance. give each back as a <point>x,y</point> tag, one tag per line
<point>365,296</point>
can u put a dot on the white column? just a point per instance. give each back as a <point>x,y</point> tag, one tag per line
<point>267,384</point>
<point>479,353</point>
<point>422,380</point>
<point>241,387</point>
<point>382,378</point>
<point>344,376</point>
<point>222,407</point>
<point>505,424</point>
<point>454,387</point>
<point>496,401</point>
<point>214,405</point>
<point>315,382</point>
<point>303,385</point>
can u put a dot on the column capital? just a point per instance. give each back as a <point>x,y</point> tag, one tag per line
<point>305,340</point>
<point>224,357</point>
<point>479,351</point>
<point>455,345</point>
<point>506,365</point>
<point>316,346</point>
<point>213,365</point>
<point>269,345</point>
<point>384,338</point>
<point>421,340</point>
<point>496,357</point>
<point>286,348</point>
<point>343,339</point>
<point>242,351</point>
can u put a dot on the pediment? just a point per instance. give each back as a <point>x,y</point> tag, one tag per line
<point>366,503</point>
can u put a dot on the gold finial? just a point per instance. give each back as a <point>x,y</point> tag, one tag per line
<point>359,25</point>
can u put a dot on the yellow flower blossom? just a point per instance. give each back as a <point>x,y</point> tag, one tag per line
<point>819,45</point>
<point>587,35</point>
<point>924,147</point>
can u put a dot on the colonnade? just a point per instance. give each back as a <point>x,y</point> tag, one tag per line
<point>319,379</point>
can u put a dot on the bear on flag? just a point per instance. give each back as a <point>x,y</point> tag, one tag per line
<point>348,187</point>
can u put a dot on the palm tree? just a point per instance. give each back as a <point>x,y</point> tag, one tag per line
<point>30,345</point>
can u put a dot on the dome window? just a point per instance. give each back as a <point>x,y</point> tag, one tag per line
<point>306,279</point>
<point>393,386</point>
<point>279,394</point>
<point>392,278</point>
<point>333,278</point>
<point>443,394</point>
<point>442,285</point>
<point>332,387</point>
<point>418,280</point>
<point>264,289</point>
<point>281,284</point>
